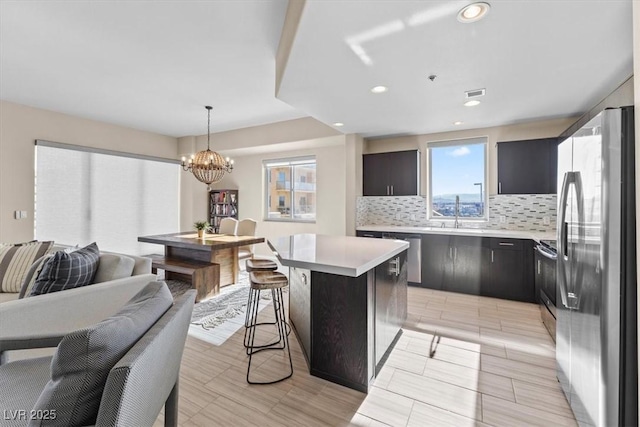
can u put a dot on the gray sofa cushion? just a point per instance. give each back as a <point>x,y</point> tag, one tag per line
<point>80,367</point>
<point>113,267</point>
<point>68,270</point>
<point>22,381</point>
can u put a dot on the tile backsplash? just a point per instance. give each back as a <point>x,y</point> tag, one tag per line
<point>520,211</point>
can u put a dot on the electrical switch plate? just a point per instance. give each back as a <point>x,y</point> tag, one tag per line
<point>503,219</point>
<point>23,214</point>
<point>546,220</point>
<point>16,214</point>
<point>398,215</point>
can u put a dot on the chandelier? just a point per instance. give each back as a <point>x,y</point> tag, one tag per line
<point>208,166</point>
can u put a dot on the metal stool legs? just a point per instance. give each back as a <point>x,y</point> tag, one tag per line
<point>283,339</point>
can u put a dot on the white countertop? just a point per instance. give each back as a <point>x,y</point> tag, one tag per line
<point>342,255</point>
<point>479,232</point>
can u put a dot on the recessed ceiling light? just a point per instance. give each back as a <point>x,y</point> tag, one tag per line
<point>379,89</point>
<point>338,124</point>
<point>457,123</point>
<point>473,12</point>
<point>471,103</point>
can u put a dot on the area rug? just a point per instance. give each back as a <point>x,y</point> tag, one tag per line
<point>218,318</point>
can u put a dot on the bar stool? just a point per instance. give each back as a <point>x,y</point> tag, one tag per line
<point>257,264</point>
<point>262,281</point>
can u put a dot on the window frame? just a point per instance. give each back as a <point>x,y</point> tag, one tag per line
<point>290,162</point>
<point>457,143</point>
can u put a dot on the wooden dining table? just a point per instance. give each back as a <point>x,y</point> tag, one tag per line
<point>221,249</point>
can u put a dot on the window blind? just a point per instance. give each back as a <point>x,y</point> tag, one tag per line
<point>111,198</point>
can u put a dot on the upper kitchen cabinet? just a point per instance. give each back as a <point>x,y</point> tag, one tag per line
<point>528,167</point>
<point>391,174</point>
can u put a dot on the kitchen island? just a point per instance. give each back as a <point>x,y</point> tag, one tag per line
<point>347,302</point>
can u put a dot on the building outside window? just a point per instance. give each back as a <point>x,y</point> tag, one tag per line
<point>457,171</point>
<point>290,189</point>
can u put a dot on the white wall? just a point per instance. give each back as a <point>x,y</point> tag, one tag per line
<point>20,126</point>
<point>530,130</point>
<point>248,178</point>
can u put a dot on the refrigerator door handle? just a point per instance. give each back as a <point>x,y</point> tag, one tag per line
<point>563,240</point>
<point>580,248</point>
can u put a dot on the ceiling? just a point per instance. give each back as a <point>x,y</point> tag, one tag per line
<point>154,65</point>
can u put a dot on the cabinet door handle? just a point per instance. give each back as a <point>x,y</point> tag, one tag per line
<point>538,266</point>
<point>387,190</point>
<point>455,253</point>
<point>395,266</point>
<point>499,188</point>
<point>492,255</point>
<point>392,190</point>
<point>304,278</point>
<point>450,253</point>
<point>505,244</point>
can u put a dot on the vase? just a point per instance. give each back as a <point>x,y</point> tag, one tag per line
<point>200,234</point>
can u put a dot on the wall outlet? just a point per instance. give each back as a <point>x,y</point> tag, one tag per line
<point>503,219</point>
<point>398,215</point>
<point>546,220</point>
<point>20,214</point>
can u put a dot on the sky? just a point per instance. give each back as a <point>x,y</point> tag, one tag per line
<point>455,169</point>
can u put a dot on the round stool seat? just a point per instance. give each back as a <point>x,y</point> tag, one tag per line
<point>268,280</point>
<point>261,265</point>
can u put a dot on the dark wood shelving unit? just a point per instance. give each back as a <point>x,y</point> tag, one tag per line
<point>222,204</point>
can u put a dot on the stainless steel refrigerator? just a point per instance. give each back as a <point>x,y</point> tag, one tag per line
<point>596,341</point>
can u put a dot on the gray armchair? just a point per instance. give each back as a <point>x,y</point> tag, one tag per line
<point>119,372</point>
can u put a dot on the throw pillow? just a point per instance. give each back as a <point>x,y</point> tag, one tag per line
<point>81,364</point>
<point>68,270</point>
<point>15,261</point>
<point>32,275</point>
<point>112,267</point>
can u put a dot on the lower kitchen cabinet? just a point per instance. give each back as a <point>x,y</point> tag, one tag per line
<point>466,255</point>
<point>500,268</point>
<point>437,268</point>
<point>510,269</point>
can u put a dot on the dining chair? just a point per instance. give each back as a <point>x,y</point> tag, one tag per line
<point>246,227</point>
<point>228,226</point>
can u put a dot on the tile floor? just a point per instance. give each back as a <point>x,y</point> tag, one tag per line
<point>461,361</point>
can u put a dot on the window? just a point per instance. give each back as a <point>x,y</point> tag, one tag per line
<point>291,185</point>
<point>457,171</point>
<point>85,195</point>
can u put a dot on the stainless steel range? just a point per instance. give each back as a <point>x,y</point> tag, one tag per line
<point>546,258</point>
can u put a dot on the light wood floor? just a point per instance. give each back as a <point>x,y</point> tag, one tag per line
<point>461,361</point>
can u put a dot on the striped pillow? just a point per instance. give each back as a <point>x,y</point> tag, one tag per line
<point>15,261</point>
<point>32,275</point>
<point>68,270</point>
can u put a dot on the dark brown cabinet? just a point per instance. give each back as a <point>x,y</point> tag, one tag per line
<point>437,264</point>
<point>528,167</point>
<point>499,268</point>
<point>390,300</point>
<point>465,259</point>
<point>391,174</point>
<point>508,272</point>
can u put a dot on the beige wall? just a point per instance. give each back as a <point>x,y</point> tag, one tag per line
<point>20,126</point>
<point>530,130</point>
<point>354,146</point>
<point>248,178</point>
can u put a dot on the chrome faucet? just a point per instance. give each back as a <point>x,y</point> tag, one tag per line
<point>456,224</point>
